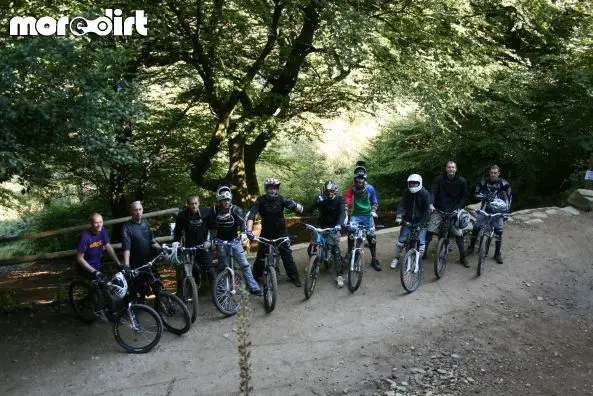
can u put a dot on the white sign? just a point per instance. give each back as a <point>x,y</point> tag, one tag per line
<point>111,23</point>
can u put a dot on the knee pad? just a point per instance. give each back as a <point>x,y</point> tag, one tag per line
<point>498,232</point>
<point>372,240</point>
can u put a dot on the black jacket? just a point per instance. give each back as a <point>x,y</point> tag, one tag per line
<point>331,211</point>
<point>499,189</point>
<point>195,227</point>
<point>413,207</point>
<point>448,194</point>
<point>272,214</point>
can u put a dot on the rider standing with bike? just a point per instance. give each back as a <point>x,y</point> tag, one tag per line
<point>448,193</point>
<point>271,209</point>
<point>361,199</point>
<point>195,223</point>
<point>228,218</point>
<point>487,191</point>
<point>137,242</point>
<point>93,242</point>
<point>413,210</point>
<point>332,213</point>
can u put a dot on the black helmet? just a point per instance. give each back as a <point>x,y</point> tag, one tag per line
<point>360,172</point>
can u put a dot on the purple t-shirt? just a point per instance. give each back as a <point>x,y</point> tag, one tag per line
<point>92,245</point>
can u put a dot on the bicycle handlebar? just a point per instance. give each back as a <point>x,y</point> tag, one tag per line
<point>224,242</point>
<point>491,214</point>
<point>320,230</point>
<point>272,242</point>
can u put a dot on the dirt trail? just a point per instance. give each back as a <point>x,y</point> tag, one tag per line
<point>522,328</point>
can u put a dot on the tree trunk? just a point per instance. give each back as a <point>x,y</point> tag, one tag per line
<point>241,195</point>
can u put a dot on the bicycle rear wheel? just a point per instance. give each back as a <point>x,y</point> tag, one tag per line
<point>409,277</point>
<point>482,253</point>
<point>441,258</point>
<point>173,312</point>
<point>82,301</point>
<point>355,271</point>
<point>225,295</point>
<point>139,329</point>
<point>312,272</point>
<point>270,288</point>
<point>189,291</point>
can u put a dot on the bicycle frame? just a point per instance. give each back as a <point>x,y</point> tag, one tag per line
<point>320,243</point>
<point>488,229</point>
<point>227,248</point>
<point>413,241</point>
<point>446,224</point>
<point>359,231</point>
<point>273,245</point>
<point>110,309</point>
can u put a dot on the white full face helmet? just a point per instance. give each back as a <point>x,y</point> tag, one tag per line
<point>414,183</point>
<point>118,287</point>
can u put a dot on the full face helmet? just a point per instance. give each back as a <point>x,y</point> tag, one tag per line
<point>414,183</point>
<point>329,189</point>
<point>272,187</point>
<point>497,205</point>
<point>462,219</point>
<point>223,193</point>
<point>118,287</point>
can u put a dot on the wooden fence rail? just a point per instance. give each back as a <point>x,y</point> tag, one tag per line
<point>44,234</point>
<point>72,252</point>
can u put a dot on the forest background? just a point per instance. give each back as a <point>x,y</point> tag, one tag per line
<point>241,90</point>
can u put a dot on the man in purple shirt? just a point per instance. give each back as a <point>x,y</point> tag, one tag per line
<point>90,249</point>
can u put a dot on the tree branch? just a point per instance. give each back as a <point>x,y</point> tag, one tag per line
<point>200,61</point>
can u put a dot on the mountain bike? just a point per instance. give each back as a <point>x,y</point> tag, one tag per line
<point>225,291</point>
<point>356,262</point>
<point>136,327</point>
<point>485,236</point>
<point>320,251</point>
<point>411,270</point>
<point>172,309</point>
<point>443,248</point>
<point>271,270</point>
<point>184,257</point>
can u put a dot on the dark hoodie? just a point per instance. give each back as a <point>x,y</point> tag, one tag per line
<point>447,194</point>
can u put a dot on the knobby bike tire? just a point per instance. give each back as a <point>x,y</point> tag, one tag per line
<point>226,298</point>
<point>173,312</point>
<point>441,258</point>
<point>484,242</point>
<point>146,329</point>
<point>270,288</point>
<point>410,280</point>
<point>355,271</point>
<point>311,274</point>
<point>189,295</point>
<point>81,301</point>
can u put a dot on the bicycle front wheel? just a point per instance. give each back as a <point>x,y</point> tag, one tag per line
<point>270,288</point>
<point>312,272</point>
<point>482,253</point>
<point>409,274</point>
<point>225,294</point>
<point>355,271</point>
<point>441,258</point>
<point>189,292</point>
<point>173,312</point>
<point>82,301</point>
<point>138,329</point>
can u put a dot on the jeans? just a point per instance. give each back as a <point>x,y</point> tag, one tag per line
<point>238,253</point>
<point>403,237</point>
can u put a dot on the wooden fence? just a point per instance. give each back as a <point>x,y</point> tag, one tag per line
<point>72,252</point>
